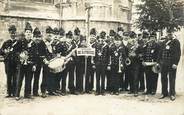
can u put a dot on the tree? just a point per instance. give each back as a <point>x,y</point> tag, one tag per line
<point>157,15</point>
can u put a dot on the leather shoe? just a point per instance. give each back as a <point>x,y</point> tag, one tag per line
<point>172,98</point>
<point>162,97</point>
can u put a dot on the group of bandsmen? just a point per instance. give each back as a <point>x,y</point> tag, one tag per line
<point>123,61</point>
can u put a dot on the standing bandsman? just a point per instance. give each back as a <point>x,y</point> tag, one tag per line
<point>151,50</point>
<point>101,61</point>
<point>72,64</point>
<point>8,51</point>
<point>80,66</point>
<point>117,57</point>
<point>169,57</point>
<point>109,41</point>
<point>133,63</point>
<point>89,78</point>
<point>40,52</point>
<point>27,59</point>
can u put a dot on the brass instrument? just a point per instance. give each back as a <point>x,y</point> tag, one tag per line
<point>120,66</point>
<point>24,57</point>
<point>156,68</point>
<point>127,61</point>
<point>109,65</point>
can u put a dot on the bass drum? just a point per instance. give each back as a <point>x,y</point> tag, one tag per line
<point>57,65</point>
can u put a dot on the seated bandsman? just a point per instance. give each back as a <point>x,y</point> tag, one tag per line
<point>8,51</point>
<point>117,57</point>
<point>27,59</point>
<point>101,61</point>
<point>151,50</point>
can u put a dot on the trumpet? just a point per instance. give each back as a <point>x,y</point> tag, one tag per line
<point>120,66</point>
<point>128,61</point>
<point>109,65</point>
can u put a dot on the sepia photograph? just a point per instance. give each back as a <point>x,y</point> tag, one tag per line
<point>91,57</point>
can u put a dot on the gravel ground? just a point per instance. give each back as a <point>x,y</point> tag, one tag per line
<point>124,104</point>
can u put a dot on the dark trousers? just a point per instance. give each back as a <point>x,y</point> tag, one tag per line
<point>108,77</point>
<point>11,73</point>
<point>51,82</point>
<point>80,69</point>
<point>60,80</point>
<point>89,78</point>
<point>24,71</point>
<point>36,77</point>
<point>115,79</point>
<point>71,84</point>
<point>133,74</point>
<point>126,82</point>
<point>168,72</point>
<point>100,78</point>
<point>44,84</point>
<point>141,78</point>
<point>151,80</point>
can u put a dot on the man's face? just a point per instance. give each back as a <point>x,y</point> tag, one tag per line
<point>170,36</point>
<point>120,33</point>
<point>12,35</point>
<point>117,42</point>
<point>100,41</point>
<point>28,34</point>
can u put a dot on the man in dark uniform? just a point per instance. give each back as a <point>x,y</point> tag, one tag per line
<point>133,67</point>
<point>40,52</point>
<point>109,41</point>
<point>101,61</point>
<point>72,64</point>
<point>47,56</point>
<point>27,49</point>
<point>169,57</point>
<point>151,50</point>
<point>118,56</point>
<point>89,78</point>
<point>80,66</point>
<point>8,50</point>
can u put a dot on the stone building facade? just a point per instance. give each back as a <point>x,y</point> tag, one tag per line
<point>104,14</point>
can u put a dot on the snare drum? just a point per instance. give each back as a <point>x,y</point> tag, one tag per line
<point>57,65</point>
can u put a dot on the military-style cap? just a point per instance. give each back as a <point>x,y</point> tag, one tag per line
<point>49,30</point>
<point>102,34</point>
<point>145,34</point>
<point>120,29</point>
<point>93,31</point>
<point>76,31</point>
<point>132,34</point>
<point>28,27</point>
<point>56,31</point>
<point>61,31</point>
<point>36,32</point>
<point>112,33</point>
<point>12,29</point>
<point>69,34</point>
<point>126,34</point>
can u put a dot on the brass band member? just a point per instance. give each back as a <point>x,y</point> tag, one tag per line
<point>40,52</point>
<point>101,61</point>
<point>109,41</point>
<point>27,60</point>
<point>133,63</point>
<point>8,50</point>
<point>117,55</point>
<point>47,56</point>
<point>89,78</point>
<point>151,50</point>
<point>169,57</point>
